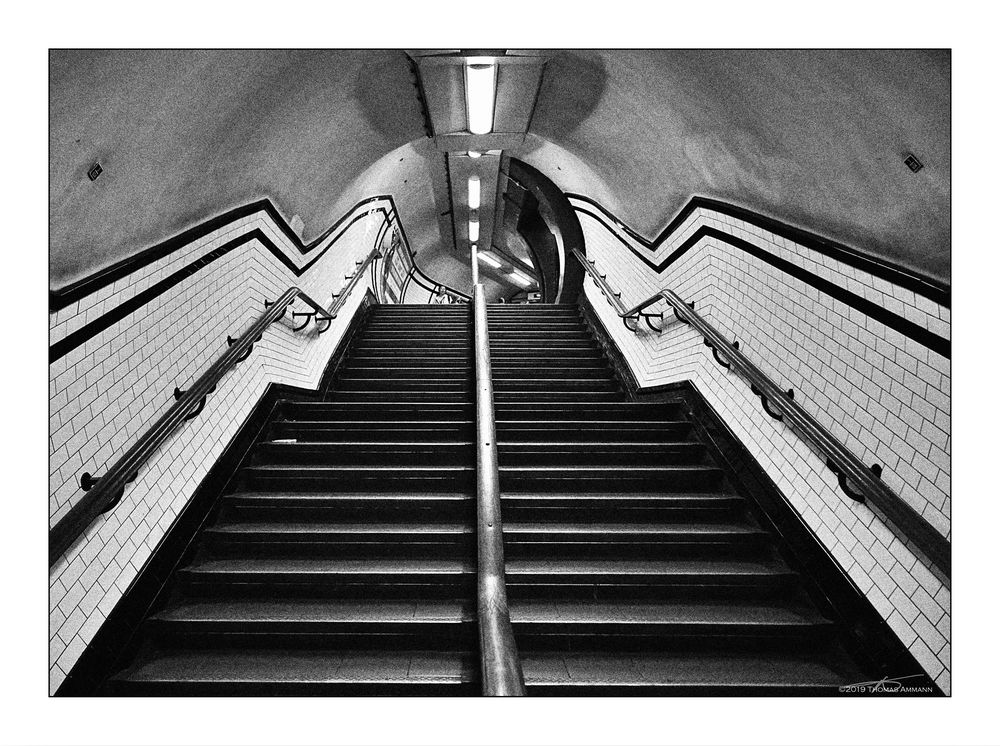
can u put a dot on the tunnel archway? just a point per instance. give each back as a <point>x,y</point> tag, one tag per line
<point>541,216</point>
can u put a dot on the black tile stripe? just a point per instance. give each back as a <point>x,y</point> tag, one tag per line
<point>928,287</point>
<point>73,292</point>
<point>119,312</point>
<point>904,326</point>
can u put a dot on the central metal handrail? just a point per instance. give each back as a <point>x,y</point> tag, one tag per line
<point>499,660</point>
<point>780,404</point>
<point>105,492</point>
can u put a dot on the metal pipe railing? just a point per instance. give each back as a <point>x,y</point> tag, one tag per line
<point>780,404</point>
<point>499,660</point>
<point>105,492</point>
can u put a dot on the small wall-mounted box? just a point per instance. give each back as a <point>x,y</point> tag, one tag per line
<point>912,163</point>
<point>94,171</point>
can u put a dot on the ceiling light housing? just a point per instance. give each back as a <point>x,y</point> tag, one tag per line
<point>521,279</point>
<point>480,94</point>
<point>474,193</point>
<point>473,230</point>
<point>489,259</point>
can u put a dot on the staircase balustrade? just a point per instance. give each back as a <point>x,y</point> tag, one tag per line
<point>868,486</point>
<point>105,492</point>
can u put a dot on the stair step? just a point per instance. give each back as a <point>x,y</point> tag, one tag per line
<point>620,507</point>
<point>679,673</point>
<point>315,531</point>
<point>428,431</point>
<point>588,452</point>
<point>347,396</point>
<point>328,411</point>
<point>523,571</point>
<point>334,478</point>
<point>329,570</point>
<point>504,396</point>
<point>438,373</point>
<point>691,477</point>
<point>308,612</point>
<point>679,617</point>
<point>427,507</point>
<point>302,671</point>
<point>358,452</point>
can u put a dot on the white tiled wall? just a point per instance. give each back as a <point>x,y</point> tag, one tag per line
<point>107,392</point>
<point>887,398</point>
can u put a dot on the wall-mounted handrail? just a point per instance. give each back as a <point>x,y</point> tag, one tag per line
<point>499,660</point>
<point>105,492</point>
<point>841,460</point>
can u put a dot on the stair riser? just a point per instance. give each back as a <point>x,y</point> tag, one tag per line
<point>526,384</point>
<point>612,480</point>
<point>354,482</point>
<point>530,395</point>
<point>652,690</point>
<point>425,636</point>
<point>636,549</point>
<point>317,544</point>
<point>458,384</point>
<point>350,512</point>
<point>645,638</point>
<point>589,454</point>
<point>361,586</point>
<point>347,454</point>
<point>387,415</point>
<point>360,431</point>
<point>293,689</point>
<point>612,411</point>
<point>390,397</point>
<point>440,374</point>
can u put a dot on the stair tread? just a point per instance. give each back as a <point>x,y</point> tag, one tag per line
<point>518,566</point>
<point>607,529</point>
<point>678,669</point>
<point>346,496</point>
<point>236,611</point>
<point>443,566</point>
<point>634,612</point>
<point>318,527</point>
<point>305,666</point>
<point>312,468</point>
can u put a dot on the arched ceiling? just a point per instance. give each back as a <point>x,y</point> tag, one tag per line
<point>812,138</point>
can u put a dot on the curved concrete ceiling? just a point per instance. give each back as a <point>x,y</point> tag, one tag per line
<point>812,138</point>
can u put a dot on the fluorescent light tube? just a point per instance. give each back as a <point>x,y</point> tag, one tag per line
<point>480,92</point>
<point>488,258</point>
<point>473,230</point>
<point>474,154</point>
<point>521,280</point>
<point>474,194</point>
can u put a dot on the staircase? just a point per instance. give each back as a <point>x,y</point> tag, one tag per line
<point>633,567</point>
<point>341,558</point>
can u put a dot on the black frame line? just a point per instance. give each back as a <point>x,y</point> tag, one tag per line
<point>904,326</point>
<point>928,287</point>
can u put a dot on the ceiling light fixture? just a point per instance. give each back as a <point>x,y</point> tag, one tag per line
<point>521,279</point>
<point>480,93</point>
<point>473,230</point>
<point>474,194</point>
<point>488,258</point>
<point>474,154</point>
